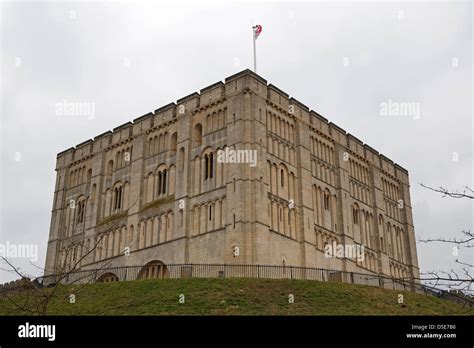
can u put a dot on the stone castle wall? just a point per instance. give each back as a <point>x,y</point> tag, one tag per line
<point>155,187</point>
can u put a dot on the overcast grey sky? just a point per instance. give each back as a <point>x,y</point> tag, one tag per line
<point>342,59</point>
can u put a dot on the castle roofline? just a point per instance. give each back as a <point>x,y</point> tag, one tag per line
<point>278,90</point>
<point>141,118</point>
<point>65,151</point>
<point>189,96</point>
<point>122,126</point>
<point>84,143</point>
<point>322,118</point>
<point>166,107</point>
<point>246,72</point>
<point>300,104</point>
<point>337,127</point>
<point>371,149</point>
<point>350,136</point>
<point>214,85</point>
<point>401,168</point>
<point>240,74</point>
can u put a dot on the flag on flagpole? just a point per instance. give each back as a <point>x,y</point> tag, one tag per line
<point>257,30</point>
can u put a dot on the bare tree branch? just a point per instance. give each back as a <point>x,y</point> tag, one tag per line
<point>466,193</point>
<point>452,280</point>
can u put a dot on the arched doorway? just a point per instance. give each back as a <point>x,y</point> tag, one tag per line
<point>107,278</point>
<point>153,269</point>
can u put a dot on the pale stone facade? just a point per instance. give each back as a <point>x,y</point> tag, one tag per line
<point>158,183</point>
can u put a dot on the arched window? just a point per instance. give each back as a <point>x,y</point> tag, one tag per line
<point>282,178</point>
<point>355,214</point>
<point>208,166</point>
<point>173,141</point>
<point>107,278</point>
<point>164,182</point>
<point>181,159</point>
<point>326,200</point>
<point>153,269</point>
<point>161,187</point>
<point>81,207</point>
<point>118,193</point>
<point>89,176</point>
<point>160,179</point>
<point>150,144</point>
<point>211,165</point>
<point>110,168</point>
<point>389,238</point>
<point>198,134</point>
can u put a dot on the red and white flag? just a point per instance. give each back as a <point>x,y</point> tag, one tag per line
<point>257,30</point>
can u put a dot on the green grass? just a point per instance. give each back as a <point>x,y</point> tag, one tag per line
<point>236,296</point>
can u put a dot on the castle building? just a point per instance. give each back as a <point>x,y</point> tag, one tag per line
<point>239,173</point>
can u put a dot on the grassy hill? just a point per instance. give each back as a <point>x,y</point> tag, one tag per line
<point>237,296</point>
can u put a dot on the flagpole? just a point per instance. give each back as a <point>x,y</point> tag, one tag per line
<point>254,51</point>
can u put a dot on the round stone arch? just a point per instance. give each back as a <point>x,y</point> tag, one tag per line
<point>80,199</point>
<point>209,159</point>
<point>162,166</point>
<point>116,184</point>
<point>118,194</point>
<point>150,187</point>
<point>197,134</point>
<point>207,150</point>
<point>161,180</point>
<point>284,181</point>
<point>173,142</point>
<point>107,277</point>
<point>153,269</point>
